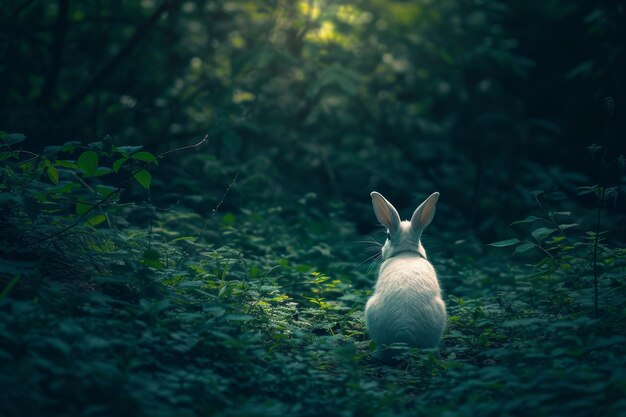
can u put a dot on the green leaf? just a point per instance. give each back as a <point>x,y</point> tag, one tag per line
<point>127,150</point>
<point>53,174</point>
<point>524,247</point>
<point>144,178</point>
<point>70,146</point>
<point>228,220</point>
<point>145,157</point>
<point>8,155</point>
<point>505,243</point>
<point>117,164</point>
<point>65,164</point>
<point>97,219</point>
<point>529,219</point>
<point>105,190</point>
<point>185,238</point>
<point>102,171</point>
<point>542,233</point>
<point>63,188</point>
<point>88,162</point>
<point>238,317</point>
<point>151,258</point>
<point>51,150</point>
<point>13,138</point>
<point>83,208</point>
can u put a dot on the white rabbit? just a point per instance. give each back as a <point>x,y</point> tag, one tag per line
<point>406,306</point>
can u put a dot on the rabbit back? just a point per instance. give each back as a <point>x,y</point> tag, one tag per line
<point>406,306</point>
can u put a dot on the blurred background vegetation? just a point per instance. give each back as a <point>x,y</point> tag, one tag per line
<point>481,100</point>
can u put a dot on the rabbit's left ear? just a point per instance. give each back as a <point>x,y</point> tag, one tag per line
<point>424,214</point>
<point>385,212</point>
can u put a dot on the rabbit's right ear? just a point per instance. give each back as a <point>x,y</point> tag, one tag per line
<point>424,214</point>
<point>385,212</point>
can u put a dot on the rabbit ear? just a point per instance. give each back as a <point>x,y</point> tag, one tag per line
<point>424,214</point>
<point>386,213</point>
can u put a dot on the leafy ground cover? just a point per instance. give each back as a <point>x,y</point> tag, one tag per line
<point>113,305</point>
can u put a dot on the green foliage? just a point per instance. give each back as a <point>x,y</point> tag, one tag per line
<point>259,311</point>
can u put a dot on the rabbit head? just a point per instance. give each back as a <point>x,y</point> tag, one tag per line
<point>403,236</point>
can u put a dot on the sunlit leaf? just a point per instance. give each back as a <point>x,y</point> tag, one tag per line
<point>53,174</point>
<point>97,219</point>
<point>83,207</point>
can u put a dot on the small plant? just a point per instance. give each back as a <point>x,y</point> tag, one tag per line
<point>574,257</point>
<point>65,184</point>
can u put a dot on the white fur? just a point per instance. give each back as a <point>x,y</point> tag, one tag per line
<point>406,306</point>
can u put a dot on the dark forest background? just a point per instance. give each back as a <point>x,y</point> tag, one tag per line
<point>185,190</point>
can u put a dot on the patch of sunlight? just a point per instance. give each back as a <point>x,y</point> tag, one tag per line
<point>397,64</point>
<point>147,4</point>
<point>402,14</point>
<point>326,33</point>
<point>352,15</point>
<point>196,63</point>
<point>240,96</point>
<point>236,40</point>
<point>309,9</point>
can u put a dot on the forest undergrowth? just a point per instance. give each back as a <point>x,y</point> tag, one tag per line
<point>222,304</point>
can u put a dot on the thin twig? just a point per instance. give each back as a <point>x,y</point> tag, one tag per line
<point>595,254</point>
<point>184,148</point>
<point>602,171</point>
<point>192,246</point>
